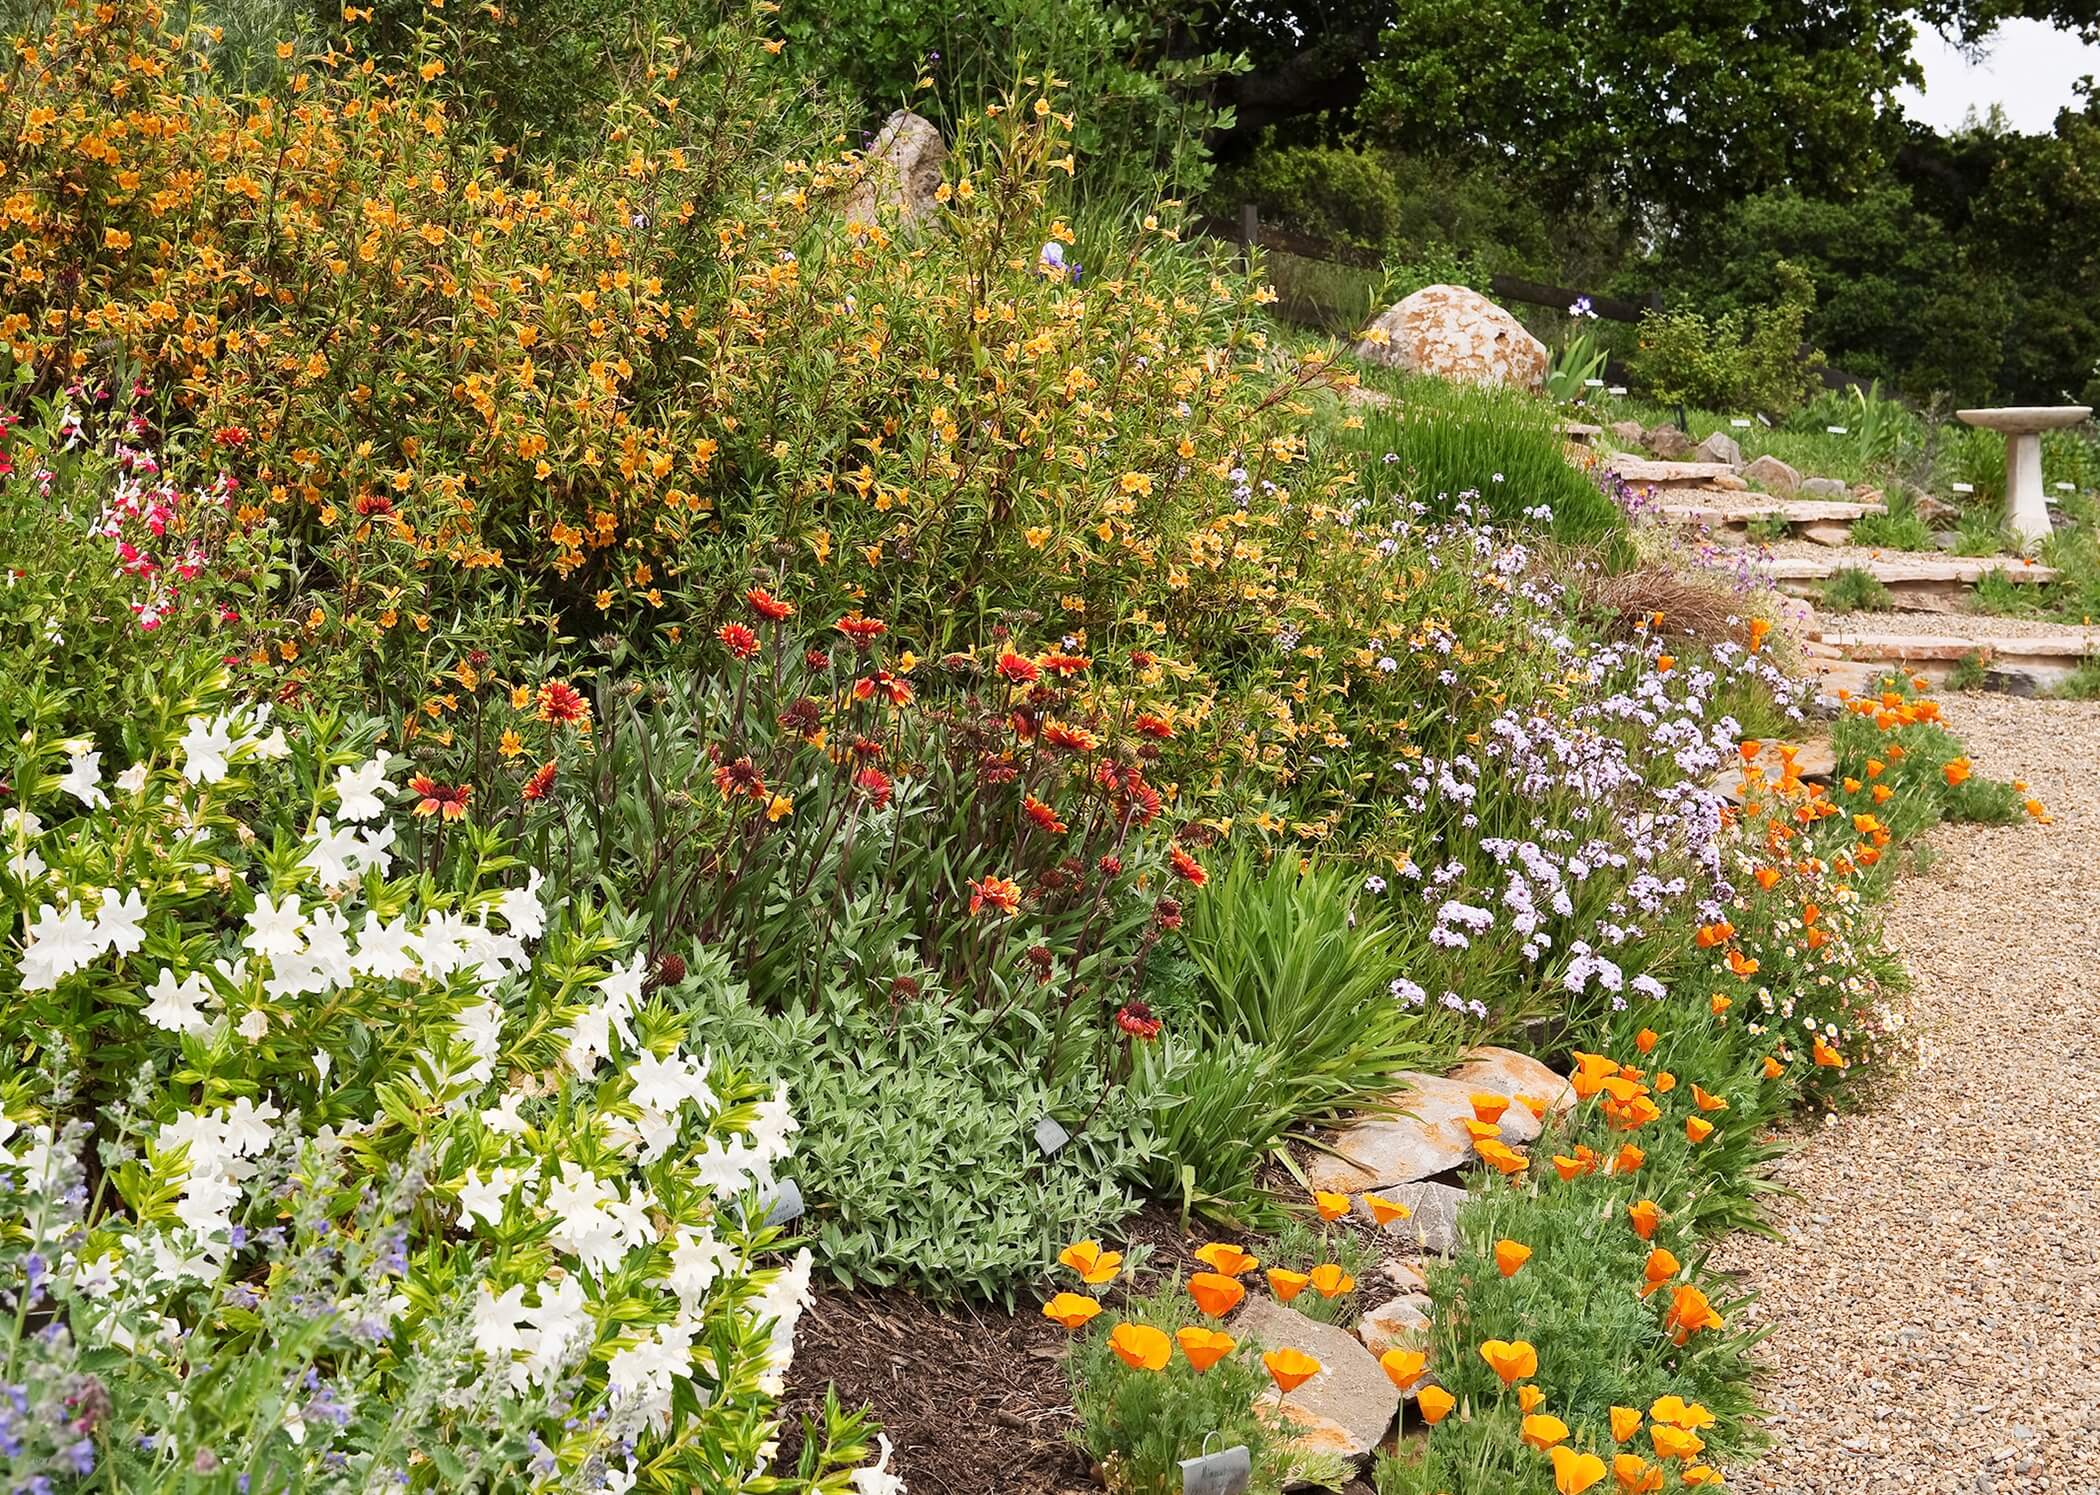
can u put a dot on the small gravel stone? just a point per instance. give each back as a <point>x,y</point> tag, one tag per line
<point>1933,1300</point>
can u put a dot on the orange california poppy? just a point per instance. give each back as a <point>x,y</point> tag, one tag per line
<point>1679,1413</point>
<point>1701,1474</point>
<point>1717,1004</point>
<point>1230,1260</point>
<point>1689,1313</point>
<point>1569,1169</point>
<point>1091,1263</point>
<point>1955,771</point>
<point>1435,1404</point>
<point>1488,1106</point>
<point>1530,1399</point>
<point>1542,1430</point>
<point>1646,1040</point>
<point>1215,1293</point>
<point>1510,1255</point>
<point>1883,794</point>
<point>1071,1309</point>
<point>1286,1284</point>
<point>1290,1369</point>
<point>1330,1281</point>
<point>1512,1361</point>
<point>1629,1160</point>
<point>1697,1129</point>
<point>1591,1071</point>
<point>1204,1347</point>
<point>1403,1367</point>
<point>1772,1068</point>
<point>1749,747</point>
<point>1330,1205</point>
<point>1636,1476</point>
<point>1645,1215</point>
<point>1574,1471</point>
<point>1535,1104</point>
<point>1825,1055</point>
<point>1385,1211</point>
<point>1767,878</point>
<point>1665,1082</point>
<point>1741,964</point>
<point>1480,1131</point>
<point>1661,1266</point>
<point>1140,1346</point>
<point>1706,1102</point>
<point>1625,1422</point>
<point>1852,785</point>
<point>1500,1156</point>
<point>1674,1443</point>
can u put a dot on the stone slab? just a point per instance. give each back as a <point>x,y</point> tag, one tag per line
<point>1636,471</point>
<point>1426,1137</point>
<point>1507,1072</point>
<point>1347,1408</point>
<point>1432,1227</point>
<point>1400,1323</point>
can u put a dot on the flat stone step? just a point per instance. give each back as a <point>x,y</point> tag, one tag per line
<point>1864,643</point>
<point>1778,510</point>
<point>1641,470</point>
<point>1893,570</point>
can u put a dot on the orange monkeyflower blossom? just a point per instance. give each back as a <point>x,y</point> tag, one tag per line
<point>1286,1284</point>
<point>1385,1211</point>
<point>1542,1430</point>
<point>1204,1347</point>
<point>1625,1422</point>
<point>1290,1369</point>
<point>1215,1293</point>
<point>1513,1361</point>
<point>1645,1215</point>
<point>1091,1263</point>
<point>1697,1129</point>
<point>1228,1259</point>
<point>1435,1404</point>
<point>1574,1471</point>
<point>1661,1266</point>
<point>1330,1205</point>
<point>1500,1156</point>
<point>1510,1255</point>
<point>1330,1281</point>
<point>1635,1475</point>
<point>1140,1346</point>
<point>1403,1367</point>
<point>1073,1310</point>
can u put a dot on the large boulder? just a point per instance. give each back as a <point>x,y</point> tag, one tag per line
<point>1667,443</point>
<point>1719,447</point>
<point>901,169</point>
<point>1455,333</point>
<point>1773,475</point>
<point>1423,1134</point>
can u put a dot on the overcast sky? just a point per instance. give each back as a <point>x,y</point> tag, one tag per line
<point>2028,66</point>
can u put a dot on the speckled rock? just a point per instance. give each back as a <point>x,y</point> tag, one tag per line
<point>1455,333</point>
<point>1773,475</point>
<point>1431,1138</point>
<point>1432,1225</point>
<point>901,169</point>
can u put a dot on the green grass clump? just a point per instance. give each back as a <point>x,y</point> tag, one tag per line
<point>1854,590</point>
<point>1497,450</point>
<point>1899,529</point>
<point>2083,684</point>
<point>1969,672</point>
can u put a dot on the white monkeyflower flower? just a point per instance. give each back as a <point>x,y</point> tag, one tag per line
<point>83,776</point>
<point>117,921</point>
<point>205,747</point>
<point>176,1005</point>
<point>359,788</point>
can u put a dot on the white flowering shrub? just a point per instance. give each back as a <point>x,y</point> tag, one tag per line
<point>335,1159</point>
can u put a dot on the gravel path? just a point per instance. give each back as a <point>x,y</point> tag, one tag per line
<point>1935,1301</point>
<point>1967,625</point>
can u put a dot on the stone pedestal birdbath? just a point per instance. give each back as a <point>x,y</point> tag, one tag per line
<point>2025,510</point>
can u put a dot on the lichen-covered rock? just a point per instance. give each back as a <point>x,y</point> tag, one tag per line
<point>1455,333</point>
<point>1348,1407</point>
<point>1425,1135</point>
<point>1774,476</point>
<point>1719,447</point>
<point>1667,443</point>
<point>901,169</point>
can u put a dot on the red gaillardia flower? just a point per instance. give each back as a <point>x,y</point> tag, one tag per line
<point>767,606</point>
<point>537,786</point>
<point>739,640</point>
<point>444,800</point>
<point>564,704</point>
<point>1003,894</point>
<point>1136,1019</point>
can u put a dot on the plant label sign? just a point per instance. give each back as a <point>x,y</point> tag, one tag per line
<point>1049,1136</point>
<point>783,1203</point>
<point>1964,487</point>
<point>1227,1472</point>
<point>1740,423</point>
